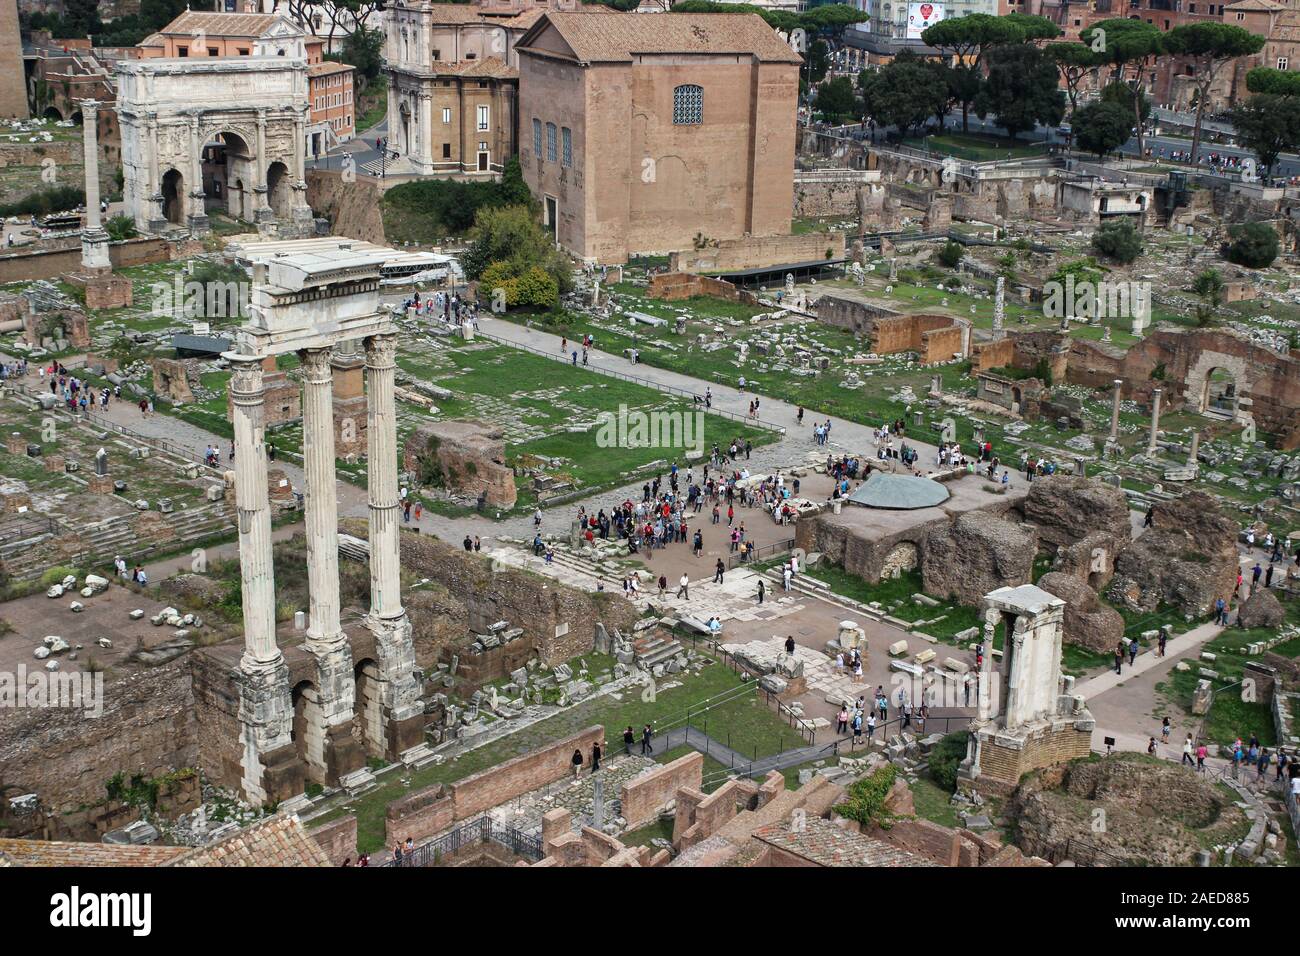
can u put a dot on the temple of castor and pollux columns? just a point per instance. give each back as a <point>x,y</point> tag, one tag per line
<point>309,302</point>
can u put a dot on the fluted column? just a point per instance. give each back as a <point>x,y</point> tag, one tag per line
<point>253,502</point>
<point>1155,421</point>
<point>381,425</point>
<point>321,496</point>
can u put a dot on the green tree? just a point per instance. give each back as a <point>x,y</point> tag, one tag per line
<point>1074,62</point>
<point>1209,46</point>
<point>1120,94</point>
<point>966,40</point>
<point>513,235</point>
<point>950,254</point>
<point>364,50</point>
<point>1265,79</point>
<point>1208,287</point>
<point>1102,128</point>
<point>1126,45</point>
<point>905,93</point>
<point>1020,90</point>
<point>1118,241</point>
<point>836,99</point>
<point>1268,125</point>
<point>1252,244</point>
<point>1033,28</point>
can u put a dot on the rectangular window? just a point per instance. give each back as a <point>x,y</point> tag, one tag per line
<point>1281,63</point>
<point>446,114</point>
<point>537,137</point>
<point>566,137</point>
<point>550,142</point>
<point>437,54</point>
<point>483,118</point>
<point>446,150</point>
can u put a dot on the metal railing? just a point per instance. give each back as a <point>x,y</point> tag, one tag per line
<point>760,553</point>
<point>603,369</point>
<point>482,830</point>
<point>840,746</point>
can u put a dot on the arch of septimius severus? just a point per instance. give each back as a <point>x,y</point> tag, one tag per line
<point>253,110</point>
<point>310,301</point>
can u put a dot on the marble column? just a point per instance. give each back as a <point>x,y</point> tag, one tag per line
<point>248,399</point>
<point>198,214</point>
<point>269,771</point>
<point>1196,447</point>
<point>157,220</point>
<point>986,704</point>
<point>94,240</point>
<point>331,750</point>
<point>261,208</point>
<point>1114,412</point>
<point>381,427</point>
<point>400,693</point>
<point>1155,421</point>
<point>321,498</point>
<point>1000,307</point>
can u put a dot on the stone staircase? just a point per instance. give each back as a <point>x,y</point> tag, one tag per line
<point>653,645</point>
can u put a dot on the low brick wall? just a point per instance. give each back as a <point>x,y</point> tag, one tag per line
<point>643,796</point>
<point>672,286</point>
<point>434,809</point>
<point>338,839</point>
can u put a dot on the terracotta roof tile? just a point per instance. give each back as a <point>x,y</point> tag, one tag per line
<point>617,37</point>
<point>826,844</point>
<point>63,853</point>
<point>281,840</point>
<point>223,24</point>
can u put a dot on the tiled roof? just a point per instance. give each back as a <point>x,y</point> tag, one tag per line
<point>488,67</point>
<point>222,24</point>
<point>328,67</point>
<point>62,853</point>
<point>458,13</point>
<point>617,37</point>
<point>1267,6</point>
<point>825,844</point>
<point>281,840</point>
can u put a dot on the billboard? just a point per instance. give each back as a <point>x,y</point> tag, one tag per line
<point>921,16</point>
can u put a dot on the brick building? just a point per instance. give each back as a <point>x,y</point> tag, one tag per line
<point>453,81</point>
<point>645,133</point>
<point>13,94</point>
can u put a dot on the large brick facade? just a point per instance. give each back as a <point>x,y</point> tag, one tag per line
<point>677,126</point>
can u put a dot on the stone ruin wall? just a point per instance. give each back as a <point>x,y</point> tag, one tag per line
<point>1270,380</point>
<point>673,286</point>
<point>149,726</point>
<point>539,605</point>
<point>756,252</point>
<point>427,812</point>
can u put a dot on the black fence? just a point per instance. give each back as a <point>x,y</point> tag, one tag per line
<point>482,830</point>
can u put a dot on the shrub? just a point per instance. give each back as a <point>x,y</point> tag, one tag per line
<point>866,798</point>
<point>121,227</point>
<point>1118,241</point>
<point>58,199</point>
<point>950,254</point>
<point>944,758</point>
<point>1253,244</point>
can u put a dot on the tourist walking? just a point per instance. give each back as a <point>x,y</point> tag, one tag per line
<point>595,757</point>
<point>577,763</point>
<point>717,571</point>
<point>646,734</point>
<point>628,738</point>
<point>761,590</point>
<point>1187,752</point>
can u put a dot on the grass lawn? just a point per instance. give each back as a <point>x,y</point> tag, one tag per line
<point>895,594</point>
<point>749,726</point>
<point>931,803</point>
<point>538,401</point>
<point>977,147</point>
<point>1230,716</point>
